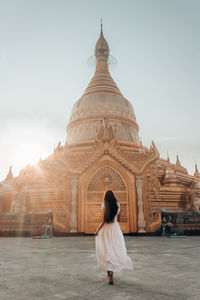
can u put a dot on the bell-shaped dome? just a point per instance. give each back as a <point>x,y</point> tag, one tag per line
<point>102,99</point>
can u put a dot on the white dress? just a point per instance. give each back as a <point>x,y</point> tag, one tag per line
<point>110,247</point>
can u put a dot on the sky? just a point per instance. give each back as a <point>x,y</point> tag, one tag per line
<point>44,49</point>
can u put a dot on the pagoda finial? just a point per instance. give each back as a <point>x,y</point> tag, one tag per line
<point>177,161</point>
<point>102,81</point>
<point>101,47</point>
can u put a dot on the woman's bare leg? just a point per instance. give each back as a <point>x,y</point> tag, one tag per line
<point>110,277</point>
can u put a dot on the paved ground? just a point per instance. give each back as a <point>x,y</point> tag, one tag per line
<point>65,268</point>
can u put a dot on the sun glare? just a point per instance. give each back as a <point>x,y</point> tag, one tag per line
<point>24,142</point>
<point>27,152</point>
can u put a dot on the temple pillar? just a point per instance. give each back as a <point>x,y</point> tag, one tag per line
<point>73,220</point>
<point>141,220</point>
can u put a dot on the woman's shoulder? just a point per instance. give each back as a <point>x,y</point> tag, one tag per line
<point>118,204</point>
<point>102,205</point>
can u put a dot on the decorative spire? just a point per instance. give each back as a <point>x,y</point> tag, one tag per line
<point>153,147</point>
<point>58,148</point>
<point>101,49</point>
<point>178,161</point>
<point>196,172</point>
<point>9,175</point>
<point>168,160</point>
<point>102,81</point>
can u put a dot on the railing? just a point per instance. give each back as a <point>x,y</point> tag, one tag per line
<point>183,221</point>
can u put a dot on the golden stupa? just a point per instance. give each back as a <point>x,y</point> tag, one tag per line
<point>102,152</point>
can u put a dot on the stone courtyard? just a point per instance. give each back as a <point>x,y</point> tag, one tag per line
<point>65,268</point>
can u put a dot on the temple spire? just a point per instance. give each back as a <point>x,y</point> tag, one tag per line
<point>101,48</point>
<point>196,172</point>
<point>177,161</point>
<point>168,160</point>
<point>102,80</point>
<point>10,174</point>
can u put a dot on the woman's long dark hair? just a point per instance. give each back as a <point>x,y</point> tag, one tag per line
<point>110,207</point>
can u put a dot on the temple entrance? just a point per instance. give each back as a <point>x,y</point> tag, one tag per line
<point>105,179</point>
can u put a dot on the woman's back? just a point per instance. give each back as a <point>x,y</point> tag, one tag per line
<point>111,207</point>
<point>118,211</point>
<point>110,246</point>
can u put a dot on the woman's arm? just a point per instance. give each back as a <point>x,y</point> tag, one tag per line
<point>102,223</point>
<point>100,226</point>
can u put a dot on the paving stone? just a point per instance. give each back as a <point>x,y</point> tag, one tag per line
<point>65,268</point>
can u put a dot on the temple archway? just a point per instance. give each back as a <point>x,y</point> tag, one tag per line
<point>106,178</point>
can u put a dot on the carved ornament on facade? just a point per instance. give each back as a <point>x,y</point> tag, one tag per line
<point>172,189</point>
<point>151,192</point>
<point>139,189</point>
<point>73,220</point>
<point>77,162</point>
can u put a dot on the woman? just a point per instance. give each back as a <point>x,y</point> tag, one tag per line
<point>110,247</point>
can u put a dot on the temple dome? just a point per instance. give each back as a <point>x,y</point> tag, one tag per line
<point>102,99</point>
